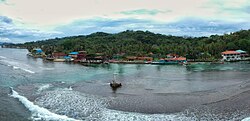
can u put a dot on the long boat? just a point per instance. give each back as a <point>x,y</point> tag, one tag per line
<point>171,61</point>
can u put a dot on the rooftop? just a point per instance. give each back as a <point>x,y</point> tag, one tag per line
<point>240,51</point>
<point>230,52</point>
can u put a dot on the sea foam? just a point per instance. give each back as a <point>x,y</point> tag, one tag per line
<point>43,87</point>
<point>246,119</point>
<point>17,66</point>
<point>2,57</point>
<point>39,113</point>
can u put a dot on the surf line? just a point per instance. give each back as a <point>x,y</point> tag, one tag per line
<point>39,113</point>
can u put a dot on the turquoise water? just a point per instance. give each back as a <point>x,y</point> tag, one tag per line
<point>149,92</point>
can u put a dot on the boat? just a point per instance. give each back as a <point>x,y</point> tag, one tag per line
<point>171,61</point>
<point>114,84</point>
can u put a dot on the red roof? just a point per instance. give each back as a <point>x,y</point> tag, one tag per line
<point>179,58</point>
<point>230,52</point>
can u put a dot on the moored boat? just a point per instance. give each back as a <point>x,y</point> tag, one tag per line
<point>114,84</point>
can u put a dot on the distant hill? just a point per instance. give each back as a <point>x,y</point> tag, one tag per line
<point>141,43</point>
<point>5,43</point>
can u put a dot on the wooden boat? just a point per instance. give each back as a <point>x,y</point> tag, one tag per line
<point>115,84</point>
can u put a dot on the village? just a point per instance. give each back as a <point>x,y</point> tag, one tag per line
<point>99,58</point>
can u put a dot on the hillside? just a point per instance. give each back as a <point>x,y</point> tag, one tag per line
<point>141,43</point>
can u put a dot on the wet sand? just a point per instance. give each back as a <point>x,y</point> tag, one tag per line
<point>229,102</point>
<point>226,103</point>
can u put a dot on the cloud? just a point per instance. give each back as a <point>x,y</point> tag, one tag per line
<point>143,12</point>
<point>246,9</point>
<point>2,1</point>
<point>229,10</point>
<point>31,20</point>
<point>44,12</point>
<point>12,33</point>
<point>4,39</point>
<point>188,26</point>
<point>6,20</point>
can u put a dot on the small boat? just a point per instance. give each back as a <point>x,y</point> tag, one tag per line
<point>115,84</point>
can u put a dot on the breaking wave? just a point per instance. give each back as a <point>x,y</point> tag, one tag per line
<point>43,87</point>
<point>16,66</point>
<point>2,57</point>
<point>27,70</point>
<point>246,119</point>
<point>39,113</point>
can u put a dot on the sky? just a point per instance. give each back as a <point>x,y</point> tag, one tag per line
<point>32,20</point>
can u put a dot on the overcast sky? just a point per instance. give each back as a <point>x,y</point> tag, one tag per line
<point>31,20</point>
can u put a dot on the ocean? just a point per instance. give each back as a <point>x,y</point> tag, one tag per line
<point>38,90</point>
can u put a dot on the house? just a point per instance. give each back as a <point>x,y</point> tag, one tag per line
<point>73,54</point>
<point>231,56</point>
<point>93,59</point>
<point>57,57</point>
<point>145,58</point>
<point>177,59</point>
<point>171,55</point>
<point>131,58</point>
<point>243,54</point>
<point>37,53</point>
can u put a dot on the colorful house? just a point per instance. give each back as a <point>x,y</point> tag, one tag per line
<point>73,54</point>
<point>243,54</point>
<point>37,53</point>
<point>231,56</point>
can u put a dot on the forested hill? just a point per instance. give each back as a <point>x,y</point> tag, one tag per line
<point>141,43</point>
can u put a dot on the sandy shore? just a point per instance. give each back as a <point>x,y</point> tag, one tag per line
<point>227,103</point>
<point>230,102</point>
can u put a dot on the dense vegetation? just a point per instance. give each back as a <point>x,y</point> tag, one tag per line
<point>140,43</point>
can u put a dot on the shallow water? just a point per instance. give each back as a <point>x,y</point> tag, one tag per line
<point>65,91</point>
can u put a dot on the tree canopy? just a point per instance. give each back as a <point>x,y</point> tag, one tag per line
<point>141,43</point>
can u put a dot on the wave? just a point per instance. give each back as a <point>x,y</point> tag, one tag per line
<point>43,87</point>
<point>27,70</point>
<point>246,119</point>
<point>2,57</point>
<point>16,66</point>
<point>39,113</point>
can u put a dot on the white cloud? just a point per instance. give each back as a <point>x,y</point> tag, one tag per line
<point>50,12</point>
<point>4,39</point>
<point>39,19</point>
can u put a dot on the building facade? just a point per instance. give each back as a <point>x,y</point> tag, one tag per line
<point>231,56</point>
